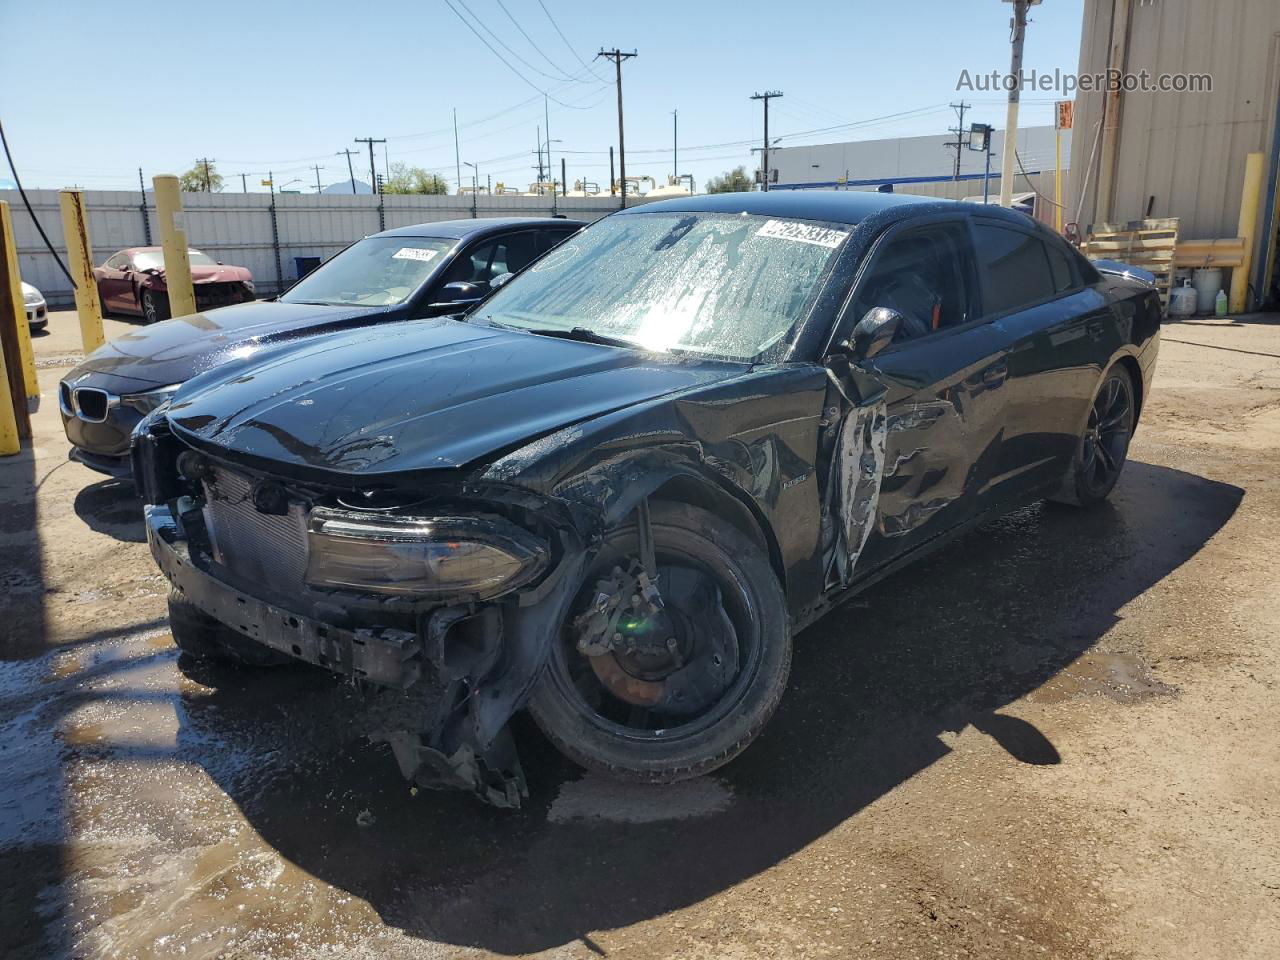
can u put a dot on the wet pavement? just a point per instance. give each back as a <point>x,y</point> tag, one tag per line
<point>1055,737</point>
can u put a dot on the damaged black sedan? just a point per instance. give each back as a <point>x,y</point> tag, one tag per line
<point>614,490</point>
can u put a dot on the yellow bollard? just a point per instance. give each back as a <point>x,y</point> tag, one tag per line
<point>1249,201</point>
<point>75,230</point>
<point>173,239</point>
<point>19,307</point>
<point>9,443</point>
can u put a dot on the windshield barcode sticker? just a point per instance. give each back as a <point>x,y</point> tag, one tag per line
<point>413,253</point>
<point>802,233</point>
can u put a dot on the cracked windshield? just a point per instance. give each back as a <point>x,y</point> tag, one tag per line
<point>375,272</point>
<point>730,286</point>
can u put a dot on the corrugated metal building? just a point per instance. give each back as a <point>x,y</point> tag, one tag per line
<point>1179,154</point>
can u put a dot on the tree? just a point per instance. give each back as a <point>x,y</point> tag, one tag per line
<point>735,181</point>
<point>407,179</point>
<point>202,178</point>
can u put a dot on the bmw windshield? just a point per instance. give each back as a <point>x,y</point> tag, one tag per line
<point>374,272</point>
<point>729,286</point>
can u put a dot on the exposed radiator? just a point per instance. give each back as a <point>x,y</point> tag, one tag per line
<point>258,547</point>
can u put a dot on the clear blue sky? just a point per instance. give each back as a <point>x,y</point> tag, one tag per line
<point>91,91</point>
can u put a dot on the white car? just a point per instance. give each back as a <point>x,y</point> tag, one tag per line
<point>37,311</point>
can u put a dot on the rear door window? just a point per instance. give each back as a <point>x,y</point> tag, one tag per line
<point>1060,267</point>
<point>1015,267</point>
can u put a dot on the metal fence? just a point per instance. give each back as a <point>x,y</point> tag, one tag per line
<point>245,228</point>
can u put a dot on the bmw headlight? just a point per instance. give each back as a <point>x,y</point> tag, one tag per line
<point>151,400</point>
<point>429,557</point>
<point>31,297</point>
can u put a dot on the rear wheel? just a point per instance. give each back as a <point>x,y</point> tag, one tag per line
<point>200,635</point>
<point>670,690</point>
<point>155,306</point>
<point>1103,448</point>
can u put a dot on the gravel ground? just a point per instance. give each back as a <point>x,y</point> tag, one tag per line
<point>1055,738</point>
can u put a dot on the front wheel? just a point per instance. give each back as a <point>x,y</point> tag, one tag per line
<point>1103,448</point>
<point>667,686</point>
<point>155,306</point>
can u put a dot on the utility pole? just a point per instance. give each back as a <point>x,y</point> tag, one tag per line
<point>204,162</point>
<point>611,180</point>
<point>764,154</point>
<point>546,116</point>
<point>617,56</point>
<point>457,157</point>
<point>350,170</point>
<point>960,142</point>
<point>373,170</point>
<point>564,178</point>
<point>541,177</point>
<point>675,145</point>
<point>1018,26</point>
<point>317,168</point>
<point>244,183</point>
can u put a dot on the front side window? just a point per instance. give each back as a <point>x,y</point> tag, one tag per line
<point>118,261</point>
<point>494,258</point>
<point>726,285</point>
<point>1016,266</point>
<point>154,259</point>
<point>923,274</point>
<point>374,272</point>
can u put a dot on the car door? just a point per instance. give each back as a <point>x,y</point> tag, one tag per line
<point>112,282</point>
<point>1054,322</point>
<point>914,461</point>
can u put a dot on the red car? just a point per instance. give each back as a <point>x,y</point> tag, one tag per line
<point>132,281</point>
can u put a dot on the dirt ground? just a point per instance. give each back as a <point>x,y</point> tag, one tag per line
<point>1055,738</point>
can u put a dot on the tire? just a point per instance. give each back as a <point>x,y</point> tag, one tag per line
<point>1103,446</point>
<point>686,539</point>
<point>154,306</point>
<point>200,635</point>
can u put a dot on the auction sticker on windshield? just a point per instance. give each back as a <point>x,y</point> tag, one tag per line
<point>413,253</point>
<point>802,233</point>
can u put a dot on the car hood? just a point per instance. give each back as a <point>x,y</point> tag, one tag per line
<point>221,273</point>
<point>414,396</point>
<point>176,350</point>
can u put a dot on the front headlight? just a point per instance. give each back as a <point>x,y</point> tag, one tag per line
<point>429,557</point>
<point>151,400</point>
<point>32,297</point>
<point>248,284</point>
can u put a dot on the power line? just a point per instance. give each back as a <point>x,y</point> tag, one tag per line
<point>504,60</point>
<point>516,23</point>
<point>17,182</point>
<point>555,26</point>
<point>503,44</point>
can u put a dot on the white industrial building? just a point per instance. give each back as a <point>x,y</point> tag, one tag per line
<point>906,161</point>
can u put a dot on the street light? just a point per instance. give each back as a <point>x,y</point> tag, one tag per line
<point>475,185</point>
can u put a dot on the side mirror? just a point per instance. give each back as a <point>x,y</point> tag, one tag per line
<point>499,280</point>
<point>459,292</point>
<point>875,331</point>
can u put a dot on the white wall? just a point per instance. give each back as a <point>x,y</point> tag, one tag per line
<point>236,227</point>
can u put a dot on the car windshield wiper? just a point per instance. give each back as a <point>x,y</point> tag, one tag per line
<point>582,334</point>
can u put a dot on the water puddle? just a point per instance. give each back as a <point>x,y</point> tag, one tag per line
<point>1121,677</point>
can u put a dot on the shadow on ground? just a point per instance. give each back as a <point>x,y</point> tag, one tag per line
<point>112,507</point>
<point>945,644</point>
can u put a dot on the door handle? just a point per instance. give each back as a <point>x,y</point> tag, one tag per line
<point>1094,327</point>
<point>994,376</point>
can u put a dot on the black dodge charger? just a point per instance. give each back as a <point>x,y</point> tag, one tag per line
<point>424,270</point>
<point>615,489</point>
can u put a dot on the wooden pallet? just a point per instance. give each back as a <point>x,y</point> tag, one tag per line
<point>1149,244</point>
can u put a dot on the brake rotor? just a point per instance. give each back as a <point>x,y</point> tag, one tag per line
<point>679,658</point>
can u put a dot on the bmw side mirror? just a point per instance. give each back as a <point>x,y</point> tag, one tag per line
<point>875,331</point>
<point>459,293</point>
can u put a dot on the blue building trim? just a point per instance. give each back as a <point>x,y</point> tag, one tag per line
<point>882,180</point>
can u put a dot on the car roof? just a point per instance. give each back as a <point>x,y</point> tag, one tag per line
<point>473,227</point>
<point>839,206</point>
